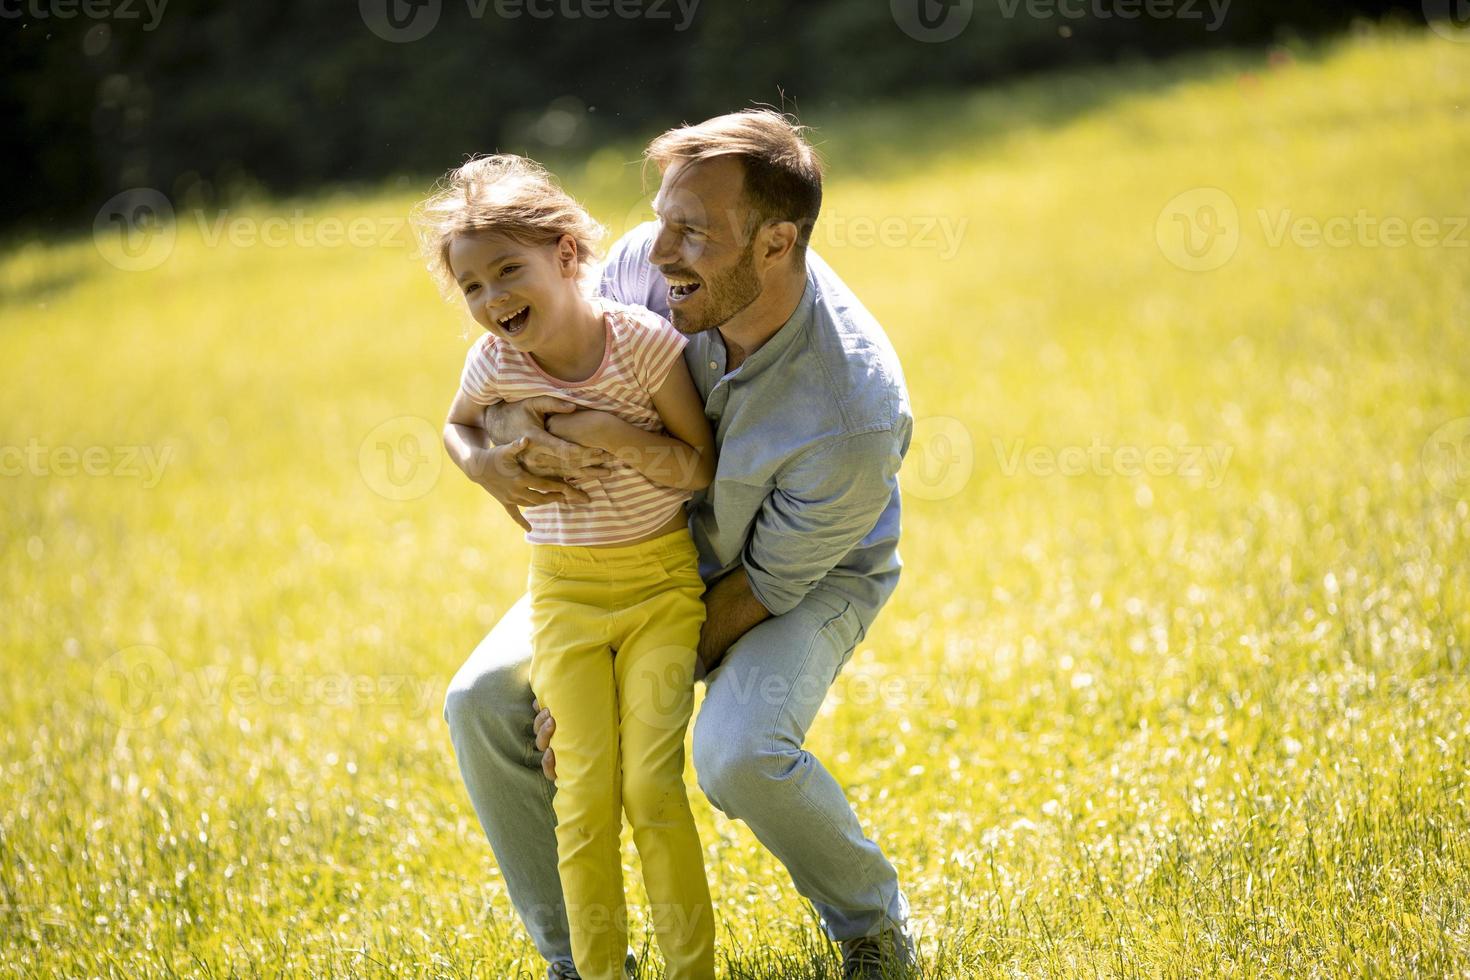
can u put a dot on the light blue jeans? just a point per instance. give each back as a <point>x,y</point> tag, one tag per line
<point>748,757</point>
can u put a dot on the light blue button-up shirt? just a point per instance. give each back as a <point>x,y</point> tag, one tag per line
<point>810,429</point>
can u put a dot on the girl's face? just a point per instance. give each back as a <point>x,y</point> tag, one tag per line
<point>517,292</point>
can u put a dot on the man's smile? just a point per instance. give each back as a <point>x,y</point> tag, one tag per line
<point>680,288</point>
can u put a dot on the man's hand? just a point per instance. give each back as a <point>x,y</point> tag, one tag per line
<point>730,611</point>
<point>546,455</point>
<point>544,727</point>
<point>586,427</point>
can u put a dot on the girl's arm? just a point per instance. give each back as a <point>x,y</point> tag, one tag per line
<point>683,459</point>
<point>497,468</point>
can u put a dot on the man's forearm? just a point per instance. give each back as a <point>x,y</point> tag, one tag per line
<point>665,460</point>
<point>730,611</point>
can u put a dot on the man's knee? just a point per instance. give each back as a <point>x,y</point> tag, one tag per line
<point>495,681</point>
<point>737,769</point>
<point>480,695</point>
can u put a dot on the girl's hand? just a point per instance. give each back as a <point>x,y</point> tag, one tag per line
<point>499,471</point>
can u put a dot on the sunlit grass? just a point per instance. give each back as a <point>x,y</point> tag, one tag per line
<point>1188,722</point>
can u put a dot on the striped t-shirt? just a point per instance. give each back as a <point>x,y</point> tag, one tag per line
<point>639,349</point>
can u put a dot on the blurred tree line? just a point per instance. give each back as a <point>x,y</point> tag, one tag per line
<point>199,98</point>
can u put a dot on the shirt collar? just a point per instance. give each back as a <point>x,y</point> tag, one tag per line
<point>772,350</point>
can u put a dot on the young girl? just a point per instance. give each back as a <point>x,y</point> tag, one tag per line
<point>616,605</point>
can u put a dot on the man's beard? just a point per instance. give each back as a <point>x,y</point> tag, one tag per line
<point>728,294</point>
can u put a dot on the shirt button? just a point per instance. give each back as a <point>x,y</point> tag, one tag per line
<point>713,366</point>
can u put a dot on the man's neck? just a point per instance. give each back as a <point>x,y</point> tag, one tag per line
<point>747,331</point>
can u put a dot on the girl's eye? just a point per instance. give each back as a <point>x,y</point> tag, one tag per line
<point>471,288</point>
<point>509,269</point>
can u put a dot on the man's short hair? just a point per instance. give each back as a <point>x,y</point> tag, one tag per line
<point>783,174</point>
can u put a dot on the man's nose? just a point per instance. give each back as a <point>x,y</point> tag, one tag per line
<point>663,252</point>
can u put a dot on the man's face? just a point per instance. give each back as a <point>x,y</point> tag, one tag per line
<point>705,243</point>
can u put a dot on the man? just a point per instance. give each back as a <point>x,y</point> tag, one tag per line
<point>797,534</point>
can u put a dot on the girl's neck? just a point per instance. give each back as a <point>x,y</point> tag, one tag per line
<point>576,348</point>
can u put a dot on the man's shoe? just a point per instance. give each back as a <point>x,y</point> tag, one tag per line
<point>885,956</point>
<point>566,971</point>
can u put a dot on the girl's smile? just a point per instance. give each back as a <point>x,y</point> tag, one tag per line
<point>513,322</point>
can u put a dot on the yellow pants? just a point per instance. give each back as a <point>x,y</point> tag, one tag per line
<point>614,632</point>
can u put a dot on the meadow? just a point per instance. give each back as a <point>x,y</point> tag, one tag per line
<point>1175,683</point>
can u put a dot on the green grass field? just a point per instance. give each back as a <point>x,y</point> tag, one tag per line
<point>1176,680</point>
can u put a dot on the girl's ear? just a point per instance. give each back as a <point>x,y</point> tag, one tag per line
<point>566,255</point>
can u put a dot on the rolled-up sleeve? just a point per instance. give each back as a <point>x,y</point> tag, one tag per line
<point>824,504</point>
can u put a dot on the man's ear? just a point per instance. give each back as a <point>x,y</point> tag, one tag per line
<point>776,240</point>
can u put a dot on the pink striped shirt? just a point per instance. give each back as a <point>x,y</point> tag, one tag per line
<point>639,349</point>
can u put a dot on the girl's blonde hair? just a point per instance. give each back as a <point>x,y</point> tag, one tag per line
<point>506,194</point>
